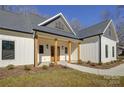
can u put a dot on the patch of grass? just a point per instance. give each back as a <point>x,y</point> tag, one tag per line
<point>57,77</point>
<point>9,67</point>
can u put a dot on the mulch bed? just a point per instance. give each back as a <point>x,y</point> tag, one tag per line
<point>20,71</point>
<point>102,66</point>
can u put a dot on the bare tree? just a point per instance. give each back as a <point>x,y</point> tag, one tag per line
<point>105,15</point>
<point>120,24</point>
<point>76,25</point>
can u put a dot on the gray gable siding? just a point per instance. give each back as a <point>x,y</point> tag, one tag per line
<point>53,24</point>
<point>109,33</point>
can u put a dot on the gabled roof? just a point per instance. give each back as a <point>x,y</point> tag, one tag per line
<point>55,17</point>
<point>93,30</point>
<point>27,23</point>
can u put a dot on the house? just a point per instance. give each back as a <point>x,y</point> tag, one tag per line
<point>32,39</point>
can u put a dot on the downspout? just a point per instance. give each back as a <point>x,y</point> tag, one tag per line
<point>100,49</point>
<point>34,36</point>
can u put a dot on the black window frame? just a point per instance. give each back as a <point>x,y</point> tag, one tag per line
<point>41,49</point>
<point>13,48</point>
<point>106,51</point>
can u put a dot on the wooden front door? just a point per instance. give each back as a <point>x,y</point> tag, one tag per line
<point>53,53</point>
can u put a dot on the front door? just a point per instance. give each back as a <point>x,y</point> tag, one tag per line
<point>53,53</point>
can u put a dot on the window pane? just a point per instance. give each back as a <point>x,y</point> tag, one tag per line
<point>106,51</point>
<point>8,50</point>
<point>66,50</point>
<point>113,52</point>
<point>41,49</point>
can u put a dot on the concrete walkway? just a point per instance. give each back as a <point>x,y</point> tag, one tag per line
<point>115,71</point>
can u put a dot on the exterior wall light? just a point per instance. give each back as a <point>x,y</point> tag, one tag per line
<point>47,46</point>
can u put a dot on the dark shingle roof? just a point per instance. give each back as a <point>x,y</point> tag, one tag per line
<point>18,22</point>
<point>54,31</point>
<point>93,30</point>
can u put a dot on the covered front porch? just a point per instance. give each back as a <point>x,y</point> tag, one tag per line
<point>55,49</point>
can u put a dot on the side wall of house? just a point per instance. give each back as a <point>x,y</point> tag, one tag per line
<point>110,43</point>
<point>90,49</point>
<point>24,50</point>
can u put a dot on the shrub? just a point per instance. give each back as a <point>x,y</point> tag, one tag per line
<point>112,62</point>
<point>100,63</point>
<point>65,67</point>
<point>45,67</point>
<point>92,64</point>
<point>27,68</point>
<point>51,64</point>
<point>107,63</point>
<point>119,60</point>
<point>88,62</point>
<point>9,67</point>
<point>115,61</point>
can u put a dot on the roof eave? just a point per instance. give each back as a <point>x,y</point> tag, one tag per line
<point>55,34</point>
<point>81,38</point>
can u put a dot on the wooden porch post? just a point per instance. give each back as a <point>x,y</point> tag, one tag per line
<point>36,49</point>
<point>79,53</point>
<point>69,52</point>
<point>55,51</point>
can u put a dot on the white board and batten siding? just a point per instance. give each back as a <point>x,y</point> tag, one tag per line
<point>110,43</point>
<point>89,49</point>
<point>74,53</point>
<point>24,50</point>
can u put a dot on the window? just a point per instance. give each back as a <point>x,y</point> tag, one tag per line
<point>8,50</point>
<point>113,51</point>
<point>106,51</point>
<point>59,25</point>
<point>41,49</point>
<point>66,50</point>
